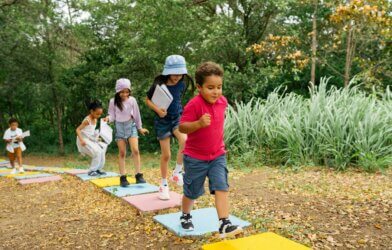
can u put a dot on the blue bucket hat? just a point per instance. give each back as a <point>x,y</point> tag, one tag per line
<point>174,65</point>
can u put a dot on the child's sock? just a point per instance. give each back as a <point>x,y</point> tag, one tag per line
<point>164,182</point>
<point>178,168</point>
<point>223,221</point>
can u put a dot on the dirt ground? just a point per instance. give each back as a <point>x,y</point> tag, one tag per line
<point>316,207</point>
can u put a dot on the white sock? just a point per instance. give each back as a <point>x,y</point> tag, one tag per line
<point>164,182</point>
<point>178,168</point>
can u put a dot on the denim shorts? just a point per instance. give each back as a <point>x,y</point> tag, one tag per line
<point>196,172</point>
<point>125,130</point>
<point>165,126</point>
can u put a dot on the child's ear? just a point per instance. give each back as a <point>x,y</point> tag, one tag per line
<point>198,86</point>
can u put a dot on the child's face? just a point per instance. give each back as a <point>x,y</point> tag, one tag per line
<point>14,125</point>
<point>211,90</point>
<point>174,79</point>
<point>96,113</point>
<point>124,94</point>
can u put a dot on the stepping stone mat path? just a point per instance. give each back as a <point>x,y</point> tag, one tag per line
<point>144,197</point>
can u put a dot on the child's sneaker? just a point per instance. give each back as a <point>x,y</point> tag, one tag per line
<point>14,171</point>
<point>101,172</point>
<point>21,170</point>
<point>92,173</point>
<point>139,178</point>
<point>226,229</point>
<point>164,192</point>
<point>178,178</point>
<point>186,222</point>
<point>123,181</point>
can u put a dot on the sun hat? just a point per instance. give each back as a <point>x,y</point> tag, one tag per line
<point>174,65</point>
<point>123,83</point>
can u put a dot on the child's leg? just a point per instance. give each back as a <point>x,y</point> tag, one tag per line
<point>222,203</point>
<point>165,156</point>
<point>18,152</point>
<point>187,204</point>
<point>181,141</point>
<point>122,146</point>
<point>11,157</point>
<point>93,150</point>
<point>134,143</point>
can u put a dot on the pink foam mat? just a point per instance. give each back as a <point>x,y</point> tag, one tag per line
<point>40,180</point>
<point>151,202</point>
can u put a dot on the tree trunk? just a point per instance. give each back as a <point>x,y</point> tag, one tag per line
<point>314,46</point>
<point>350,41</point>
<point>56,104</point>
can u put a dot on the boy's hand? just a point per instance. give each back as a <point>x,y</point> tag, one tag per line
<point>106,119</point>
<point>143,131</point>
<point>8,141</point>
<point>162,113</point>
<point>205,120</point>
<point>18,138</point>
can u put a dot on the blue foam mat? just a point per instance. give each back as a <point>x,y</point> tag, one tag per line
<point>205,221</point>
<point>86,177</point>
<point>133,189</point>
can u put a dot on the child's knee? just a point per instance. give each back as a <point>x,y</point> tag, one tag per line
<point>135,151</point>
<point>122,154</point>
<point>166,156</point>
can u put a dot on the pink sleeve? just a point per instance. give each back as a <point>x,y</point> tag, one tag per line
<point>112,111</point>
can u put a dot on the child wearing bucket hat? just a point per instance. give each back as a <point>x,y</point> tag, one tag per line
<point>124,112</point>
<point>175,77</point>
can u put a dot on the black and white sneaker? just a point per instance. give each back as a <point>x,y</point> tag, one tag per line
<point>92,173</point>
<point>101,172</point>
<point>186,222</point>
<point>226,229</point>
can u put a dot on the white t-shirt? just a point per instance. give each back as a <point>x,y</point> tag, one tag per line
<point>13,134</point>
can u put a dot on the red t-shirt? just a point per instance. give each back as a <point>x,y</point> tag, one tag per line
<point>205,143</point>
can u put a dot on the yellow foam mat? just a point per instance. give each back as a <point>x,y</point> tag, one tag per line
<point>264,241</point>
<point>5,170</point>
<point>24,174</point>
<point>111,181</point>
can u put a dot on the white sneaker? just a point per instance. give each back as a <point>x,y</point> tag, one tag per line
<point>14,171</point>
<point>21,170</point>
<point>164,192</point>
<point>178,178</point>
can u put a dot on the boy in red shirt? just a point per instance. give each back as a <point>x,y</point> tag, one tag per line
<point>204,154</point>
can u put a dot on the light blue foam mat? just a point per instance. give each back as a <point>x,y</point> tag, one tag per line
<point>32,176</point>
<point>205,221</point>
<point>34,168</point>
<point>86,177</point>
<point>133,189</point>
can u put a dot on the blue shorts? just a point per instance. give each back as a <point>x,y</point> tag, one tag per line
<point>196,172</point>
<point>165,126</point>
<point>126,130</point>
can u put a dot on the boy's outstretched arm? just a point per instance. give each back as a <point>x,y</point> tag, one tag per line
<point>190,127</point>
